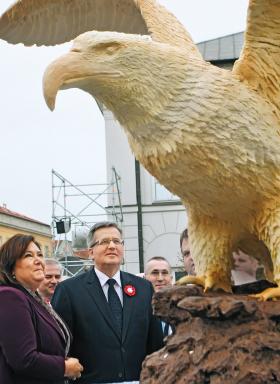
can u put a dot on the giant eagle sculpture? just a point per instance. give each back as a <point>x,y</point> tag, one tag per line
<point>210,135</point>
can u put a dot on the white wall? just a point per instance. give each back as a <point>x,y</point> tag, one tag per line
<point>119,155</point>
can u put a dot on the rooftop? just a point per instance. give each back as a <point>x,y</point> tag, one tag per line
<point>222,48</point>
<point>4,210</point>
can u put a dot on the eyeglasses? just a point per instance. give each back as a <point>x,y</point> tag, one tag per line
<point>106,242</point>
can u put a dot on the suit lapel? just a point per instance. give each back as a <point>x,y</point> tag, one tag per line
<point>128,305</point>
<point>96,292</point>
<point>41,311</point>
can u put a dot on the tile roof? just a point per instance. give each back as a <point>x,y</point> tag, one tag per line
<point>8,212</point>
<point>222,48</point>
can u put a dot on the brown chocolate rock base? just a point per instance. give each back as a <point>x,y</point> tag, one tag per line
<point>219,339</point>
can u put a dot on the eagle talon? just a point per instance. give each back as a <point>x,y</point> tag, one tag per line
<point>209,283</point>
<point>267,294</point>
<point>198,280</point>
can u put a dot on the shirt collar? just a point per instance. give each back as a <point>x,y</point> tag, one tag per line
<point>103,278</point>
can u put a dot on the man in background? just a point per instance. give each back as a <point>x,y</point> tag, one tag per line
<point>186,253</point>
<point>53,274</point>
<point>158,272</point>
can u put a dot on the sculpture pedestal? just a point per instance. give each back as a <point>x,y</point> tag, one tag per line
<point>219,339</point>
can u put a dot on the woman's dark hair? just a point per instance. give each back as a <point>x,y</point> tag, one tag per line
<point>11,251</point>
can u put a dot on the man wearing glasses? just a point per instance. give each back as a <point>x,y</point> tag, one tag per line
<point>109,313</point>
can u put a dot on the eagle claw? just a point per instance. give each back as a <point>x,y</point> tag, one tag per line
<point>269,293</point>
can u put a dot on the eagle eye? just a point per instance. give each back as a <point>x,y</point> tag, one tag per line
<point>108,48</point>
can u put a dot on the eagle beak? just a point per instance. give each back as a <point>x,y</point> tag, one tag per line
<point>64,70</point>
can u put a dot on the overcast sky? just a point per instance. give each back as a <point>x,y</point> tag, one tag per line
<point>71,139</point>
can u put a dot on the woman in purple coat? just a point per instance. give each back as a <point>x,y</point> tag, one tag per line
<point>34,341</point>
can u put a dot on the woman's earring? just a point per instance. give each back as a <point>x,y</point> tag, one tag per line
<point>13,276</point>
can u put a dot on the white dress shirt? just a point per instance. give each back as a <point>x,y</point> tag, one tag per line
<point>103,282</point>
<point>118,287</point>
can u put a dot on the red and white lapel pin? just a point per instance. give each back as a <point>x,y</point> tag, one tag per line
<point>129,290</point>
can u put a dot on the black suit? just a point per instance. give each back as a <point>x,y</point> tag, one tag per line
<point>105,356</point>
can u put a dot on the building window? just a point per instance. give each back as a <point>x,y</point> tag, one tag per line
<point>162,194</point>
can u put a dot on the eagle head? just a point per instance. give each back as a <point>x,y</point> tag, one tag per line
<point>127,73</point>
<point>97,62</point>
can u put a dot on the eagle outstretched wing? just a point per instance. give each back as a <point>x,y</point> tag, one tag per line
<point>50,22</point>
<point>259,63</point>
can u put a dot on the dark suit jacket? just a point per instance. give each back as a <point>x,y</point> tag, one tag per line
<point>105,356</point>
<point>31,344</point>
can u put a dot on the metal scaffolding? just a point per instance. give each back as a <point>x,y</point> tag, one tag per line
<point>75,208</point>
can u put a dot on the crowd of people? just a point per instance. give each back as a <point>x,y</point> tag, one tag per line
<point>96,327</point>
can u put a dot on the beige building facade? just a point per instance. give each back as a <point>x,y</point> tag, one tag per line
<point>12,223</point>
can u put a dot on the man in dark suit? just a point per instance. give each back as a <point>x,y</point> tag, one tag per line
<point>158,271</point>
<point>109,313</point>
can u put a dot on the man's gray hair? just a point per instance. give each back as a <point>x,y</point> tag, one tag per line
<point>50,261</point>
<point>95,227</point>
